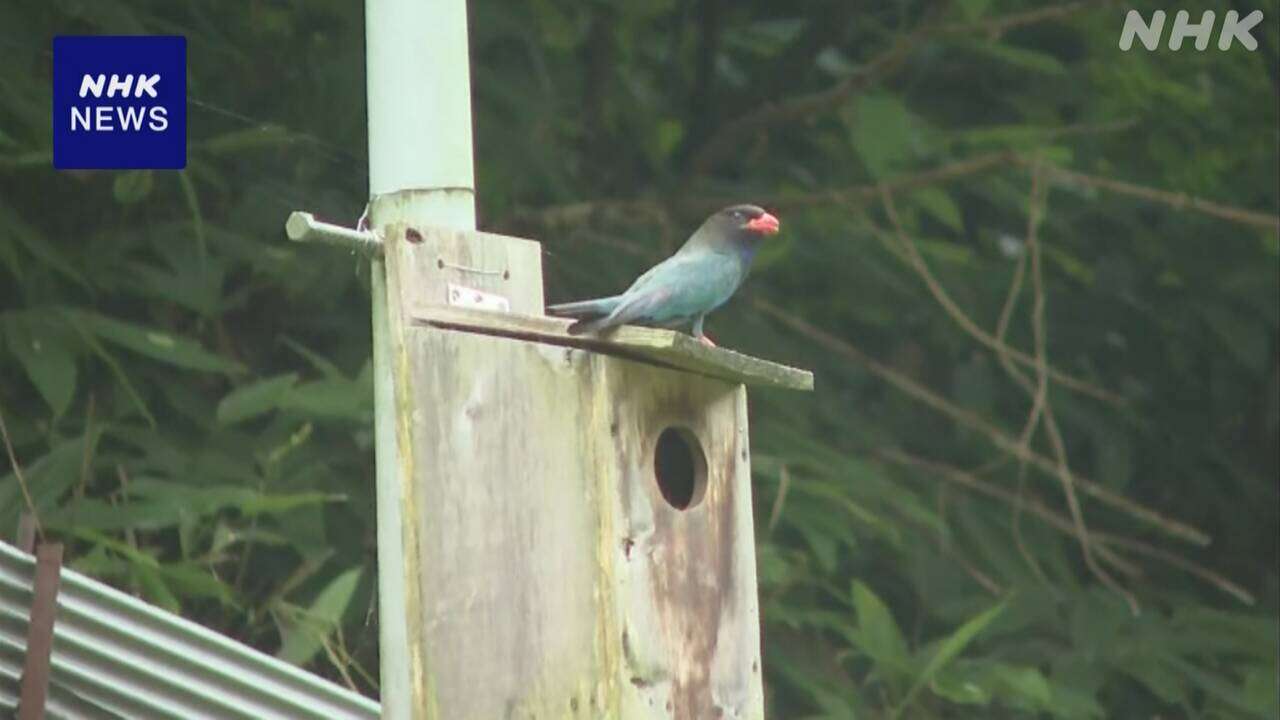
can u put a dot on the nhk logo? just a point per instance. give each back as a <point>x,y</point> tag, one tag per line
<point>1234,29</point>
<point>119,102</point>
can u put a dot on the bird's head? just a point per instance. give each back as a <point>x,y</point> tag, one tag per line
<point>749,219</point>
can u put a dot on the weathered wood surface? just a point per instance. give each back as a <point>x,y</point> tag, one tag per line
<point>435,257</point>
<point>665,347</point>
<point>685,581</point>
<point>546,576</point>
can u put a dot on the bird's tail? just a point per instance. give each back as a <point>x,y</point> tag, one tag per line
<point>590,325</point>
<point>585,309</point>
<point>591,315</point>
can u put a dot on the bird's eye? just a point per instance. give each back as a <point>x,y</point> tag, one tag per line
<point>739,214</point>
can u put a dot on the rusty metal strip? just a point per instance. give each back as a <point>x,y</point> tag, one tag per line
<point>35,671</point>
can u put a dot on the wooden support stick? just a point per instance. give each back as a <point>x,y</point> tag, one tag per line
<point>44,608</point>
<point>26,532</point>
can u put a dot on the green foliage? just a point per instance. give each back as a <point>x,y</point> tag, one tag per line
<point>190,400</point>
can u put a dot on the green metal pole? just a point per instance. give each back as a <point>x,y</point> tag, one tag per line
<point>420,172</point>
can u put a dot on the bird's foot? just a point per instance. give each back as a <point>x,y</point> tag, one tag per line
<point>706,341</point>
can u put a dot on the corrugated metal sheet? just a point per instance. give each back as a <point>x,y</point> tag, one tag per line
<point>115,656</point>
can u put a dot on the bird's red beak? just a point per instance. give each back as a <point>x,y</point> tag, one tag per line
<point>766,224</point>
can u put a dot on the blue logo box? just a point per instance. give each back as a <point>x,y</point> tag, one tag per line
<point>120,102</point>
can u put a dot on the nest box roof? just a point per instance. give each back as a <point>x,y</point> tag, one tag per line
<point>660,347</point>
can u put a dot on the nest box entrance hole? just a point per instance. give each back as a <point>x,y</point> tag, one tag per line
<point>680,467</point>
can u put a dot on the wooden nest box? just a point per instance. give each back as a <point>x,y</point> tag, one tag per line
<point>575,512</point>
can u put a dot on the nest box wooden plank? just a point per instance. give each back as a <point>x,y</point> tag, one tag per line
<point>575,512</point>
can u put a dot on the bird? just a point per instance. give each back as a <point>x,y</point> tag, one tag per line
<point>700,277</point>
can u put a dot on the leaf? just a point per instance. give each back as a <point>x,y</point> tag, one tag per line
<point>337,398</point>
<point>194,581</point>
<point>1157,677</point>
<point>318,361</point>
<point>766,37</point>
<point>880,128</point>
<point>12,224</point>
<point>194,286</point>
<point>49,364</point>
<point>253,138</point>
<point>835,63</point>
<point>155,590</point>
<point>961,689</point>
<point>308,631</point>
<point>1018,57</point>
<point>974,9</point>
<point>940,205</point>
<point>255,398</point>
<point>951,647</point>
<point>878,634</point>
<point>212,498</point>
<point>1025,684</point>
<point>1247,341</point>
<point>167,347</point>
<point>48,479</point>
<point>95,514</point>
<point>132,186</point>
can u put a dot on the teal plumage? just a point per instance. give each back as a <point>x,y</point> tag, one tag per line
<point>702,275</point>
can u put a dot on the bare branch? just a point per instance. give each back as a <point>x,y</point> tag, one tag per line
<point>1178,201</point>
<point>994,28</point>
<point>971,328</point>
<point>1039,392</point>
<point>1042,392</point>
<point>993,434</point>
<point>784,484</point>
<point>969,481</point>
<point>1105,542</point>
<point>723,143</point>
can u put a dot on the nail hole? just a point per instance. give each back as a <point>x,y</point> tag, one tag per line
<point>680,468</point>
<point>413,236</point>
<point>506,274</point>
<point>440,263</point>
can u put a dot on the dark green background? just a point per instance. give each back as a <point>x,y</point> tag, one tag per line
<point>189,395</point>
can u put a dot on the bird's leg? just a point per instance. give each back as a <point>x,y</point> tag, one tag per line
<point>698,334</point>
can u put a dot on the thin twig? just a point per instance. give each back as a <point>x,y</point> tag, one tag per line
<point>947,548</point>
<point>583,212</point>
<point>969,481</point>
<point>1040,390</point>
<point>1204,573</point>
<point>1105,543</point>
<point>129,535</point>
<point>1041,396</point>
<point>724,142</point>
<point>932,176</point>
<point>86,460</point>
<point>957,314</point>
<point>993,434</point>
<point>22,480</point>
<point>1178,201</point>
<point>784,484</point>
<point>996,27</point>
<point>1033,418</point>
